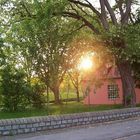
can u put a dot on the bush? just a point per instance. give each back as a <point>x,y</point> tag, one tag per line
<point>36,95</point>
<point>0,101</point>
<point>13,89</point>
<point>0,96</point>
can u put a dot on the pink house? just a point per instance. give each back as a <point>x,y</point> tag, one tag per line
<point>109,91</point>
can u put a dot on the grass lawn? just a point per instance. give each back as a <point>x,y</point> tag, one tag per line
<point>64,95</point>
<point>72,107</point>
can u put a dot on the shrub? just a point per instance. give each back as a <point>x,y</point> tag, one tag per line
<point>13,89</point>
<point>36,95</point>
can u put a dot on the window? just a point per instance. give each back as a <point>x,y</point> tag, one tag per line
<point>113,92</point>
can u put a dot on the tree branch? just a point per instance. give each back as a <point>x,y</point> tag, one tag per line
<point>26,9</point>
<point>84,11</point>
<point>73,80</point>
<point>103,15</point>
<point>119,4</point>
<point>131,19</point>
<point>62,76</point>
<point>88,5</point>
<point>75,30</point>
<point>111,12</point>
<point>86,14</point>
<point>127,12</point>
<point>78,17</point>
<point>73,8</point>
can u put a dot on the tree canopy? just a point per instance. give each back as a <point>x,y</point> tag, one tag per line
<point>36,37</point>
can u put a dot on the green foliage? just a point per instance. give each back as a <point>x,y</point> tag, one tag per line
<point>66,85</point>
<point>36,95</point>
<point>38,38</point>
<point>133,51</point>
<point>72,107</point>
<point>13,89</point>
<point>124,42</point>
<point>136,70</point>
<point>133,41</point>
<point>1,99</point>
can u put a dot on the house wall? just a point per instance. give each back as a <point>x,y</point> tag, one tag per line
<point>99,96</point>
<point>137,90</point>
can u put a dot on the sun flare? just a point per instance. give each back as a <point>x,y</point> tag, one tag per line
<point>86,63</point>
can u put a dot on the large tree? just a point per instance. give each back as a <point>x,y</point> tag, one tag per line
<point>107,21</point>
<point>41,38</point>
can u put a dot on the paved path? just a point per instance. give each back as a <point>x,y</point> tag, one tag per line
<point>127,130</point>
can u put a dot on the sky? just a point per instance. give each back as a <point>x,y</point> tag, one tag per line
<point>96,2</point>
<point>112,2</point>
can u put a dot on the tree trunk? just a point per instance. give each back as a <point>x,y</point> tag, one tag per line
<point>129,96</point>
<point>78,97</point>
<point>56,95</point>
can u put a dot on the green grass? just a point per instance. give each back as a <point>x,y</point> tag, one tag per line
<point>25,113</point>
<point>72,107</point>
<point>64,95</point>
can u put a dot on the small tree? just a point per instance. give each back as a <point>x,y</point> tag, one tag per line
<point>36,94</point>
<point>13,89</point>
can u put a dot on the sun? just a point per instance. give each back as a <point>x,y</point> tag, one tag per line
<point>86,63</point>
